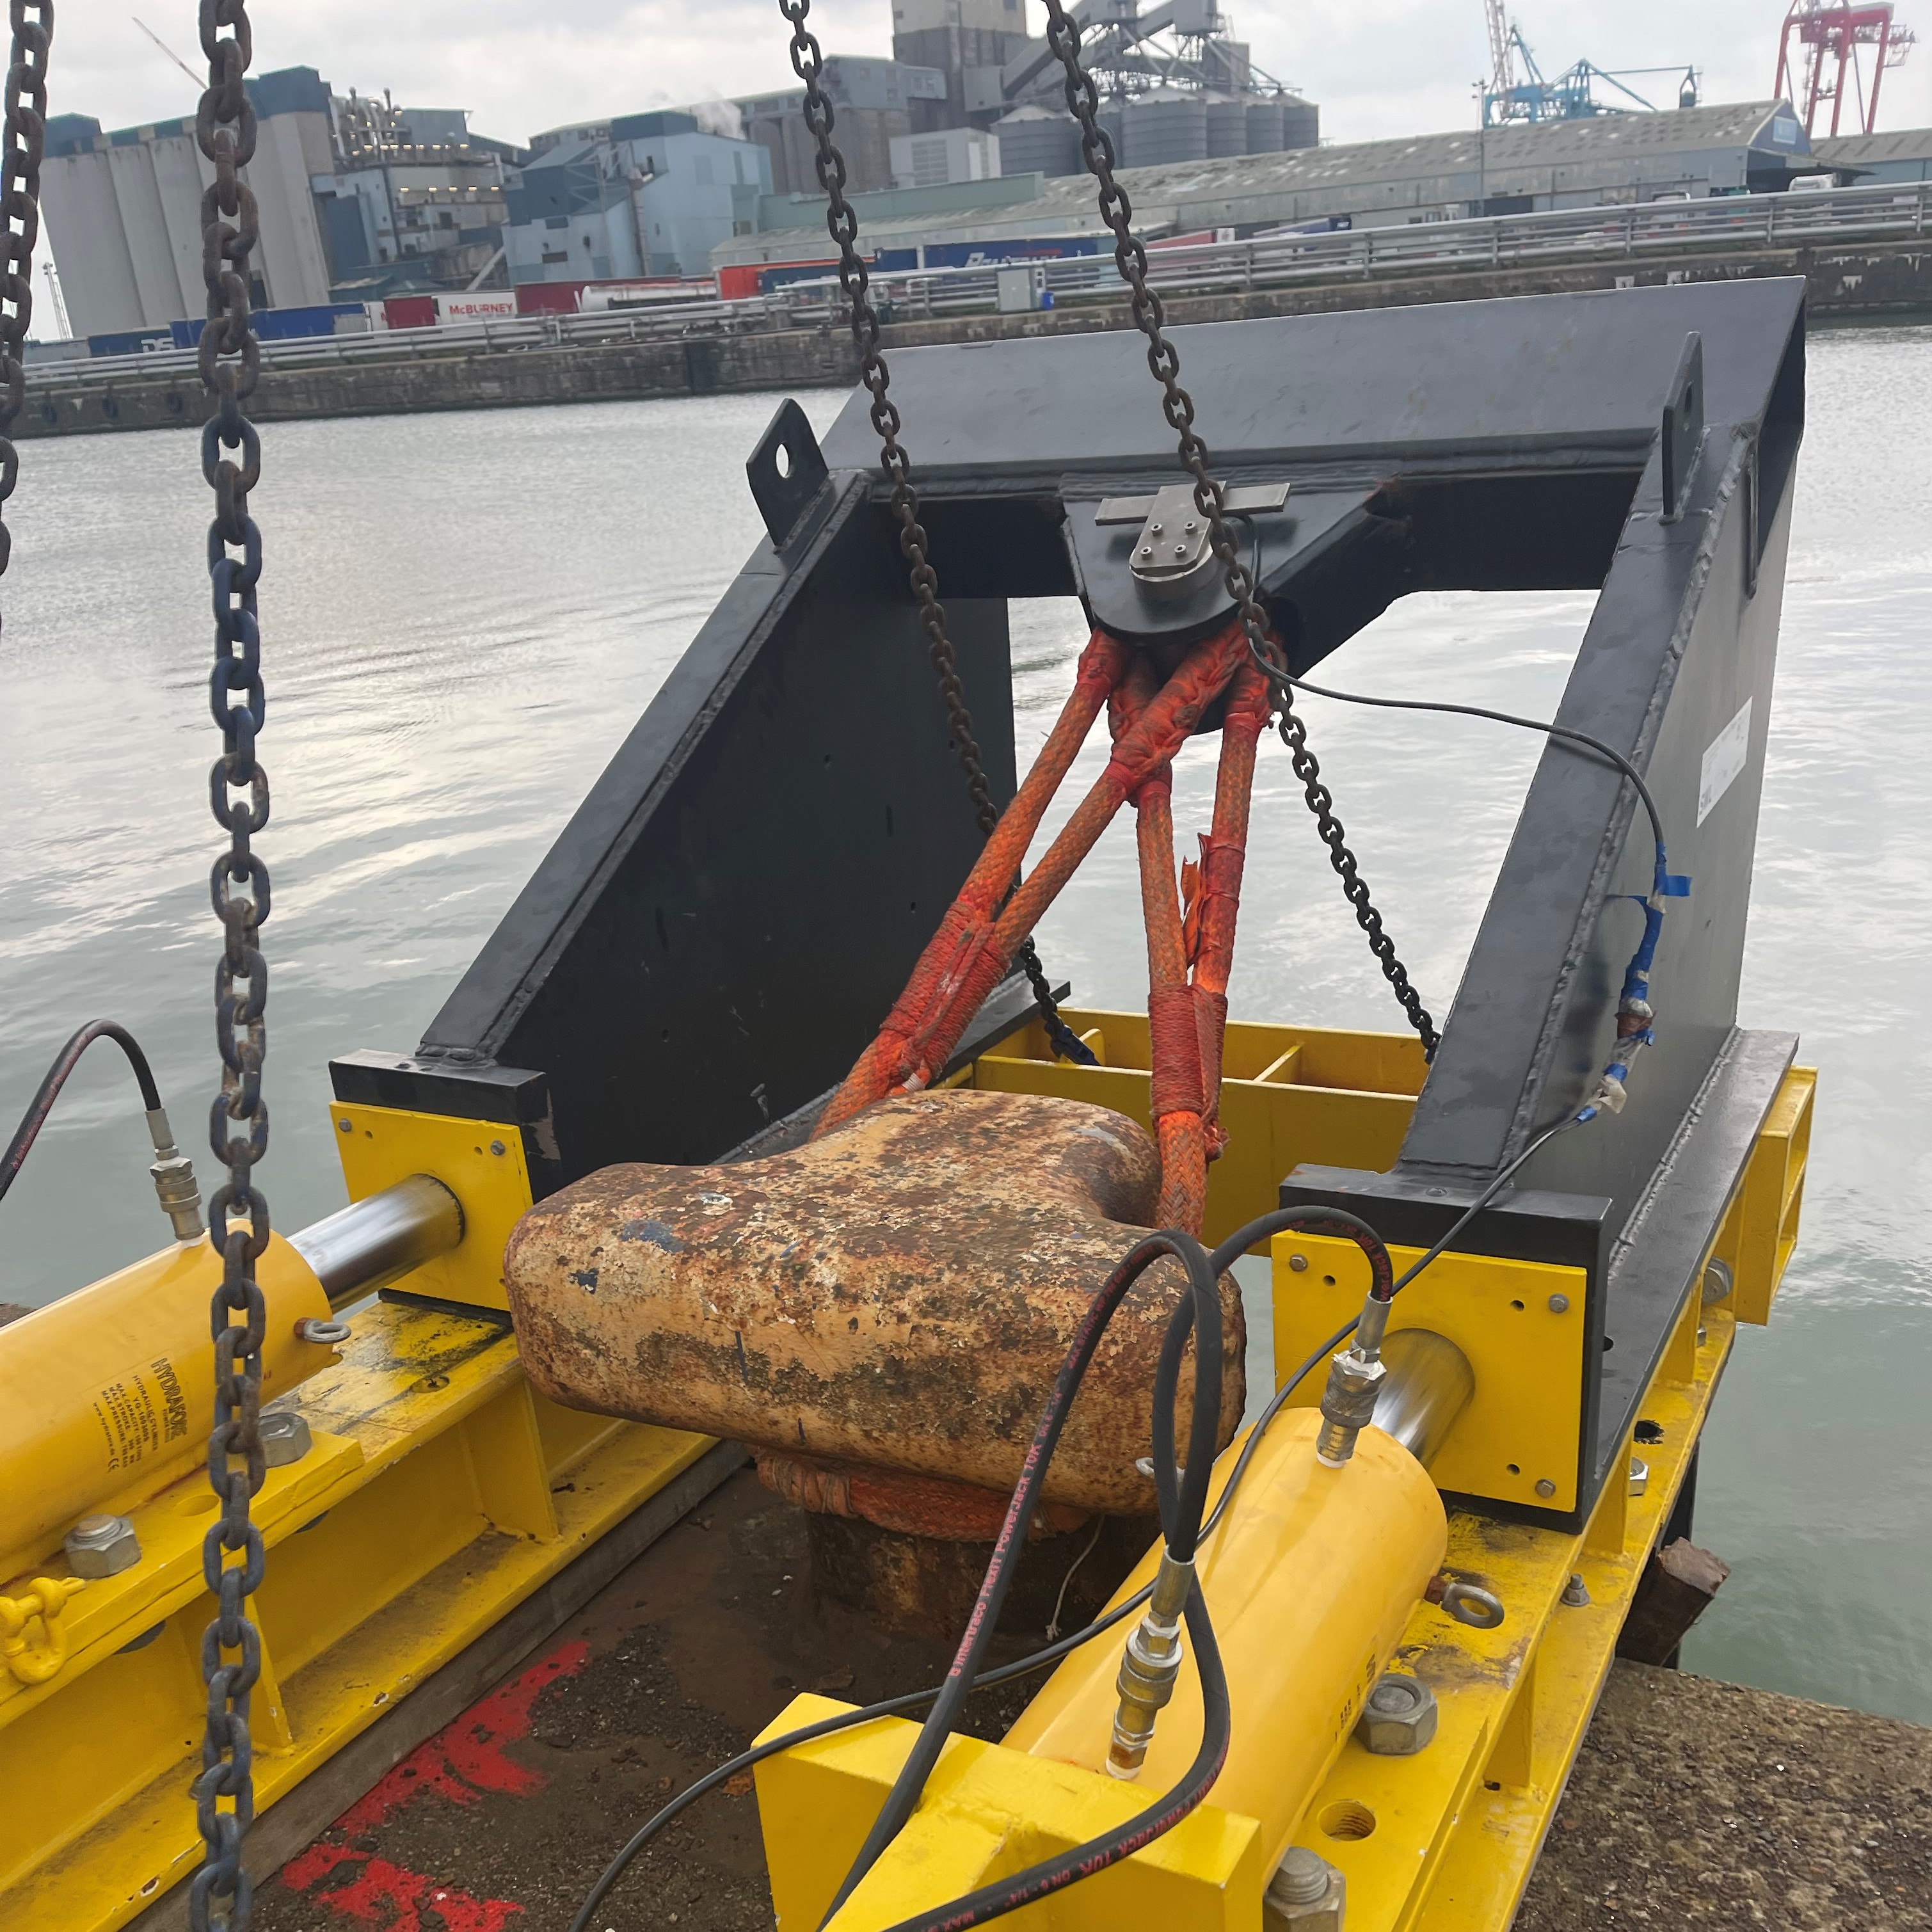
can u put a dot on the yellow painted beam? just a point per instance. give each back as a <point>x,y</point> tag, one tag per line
<point>988,1812</point>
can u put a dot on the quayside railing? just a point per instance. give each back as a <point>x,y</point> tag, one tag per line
<point>1631,232</point>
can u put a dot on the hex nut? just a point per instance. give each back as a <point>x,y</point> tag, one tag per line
<point>1306,1892</point>
<point>1398,1719</point>
<point>102,1545</point>
<point>285,1437</point>
<point>1718,1281</point>
<point>1639,1476</point>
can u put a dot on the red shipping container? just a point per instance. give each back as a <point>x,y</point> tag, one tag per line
<point>410,312</point>
<point>547,298</point>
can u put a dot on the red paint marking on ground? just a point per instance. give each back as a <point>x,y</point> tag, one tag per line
<point>466,1759</point>
<point>376,1893</point>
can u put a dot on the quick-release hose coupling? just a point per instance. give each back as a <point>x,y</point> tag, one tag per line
<point>1149,1666</point>
<point>173,1175</point>
<point>1355,1378</point>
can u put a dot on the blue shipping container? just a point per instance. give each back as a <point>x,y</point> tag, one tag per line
<point>271,324</point>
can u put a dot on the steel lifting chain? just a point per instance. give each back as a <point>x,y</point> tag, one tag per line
<point>1063,35</point>
<point>238,1215</point>
<point>841,220</point>
<point>26,127</point>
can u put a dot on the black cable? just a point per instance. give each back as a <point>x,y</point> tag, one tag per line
<point>1242,1239</point>
<point>889,1707</point>
<point>1275,674</point>
<point>64,1063</point>
<point>1007,1894</point>
<point>904,1795</point>
<point>1583,738</point>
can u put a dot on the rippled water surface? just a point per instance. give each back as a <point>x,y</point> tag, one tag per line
<point>464,614</point>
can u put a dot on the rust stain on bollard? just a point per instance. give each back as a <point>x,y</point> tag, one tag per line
<point>899,1294</point>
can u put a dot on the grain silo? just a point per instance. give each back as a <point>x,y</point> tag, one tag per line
<point>1301,124</point>
<point>1165,127</point>
<point>1038,140</point>
<point>1263,114</point>
<point>1227,125</point>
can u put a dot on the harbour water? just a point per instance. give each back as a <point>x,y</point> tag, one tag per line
<point>463,613</point>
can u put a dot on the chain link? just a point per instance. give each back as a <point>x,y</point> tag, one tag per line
<point>841,220</point>
<point>219,1900</point>
<point>1063,36</point>
<point>26,127</point>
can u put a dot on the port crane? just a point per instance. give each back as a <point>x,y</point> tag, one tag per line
<point>1572,95</point>
<point>1829,33</point>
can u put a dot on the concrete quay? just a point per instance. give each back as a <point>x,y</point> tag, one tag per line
<point>1848,282</point>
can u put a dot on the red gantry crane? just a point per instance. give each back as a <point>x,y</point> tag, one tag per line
<point>1829,33</point>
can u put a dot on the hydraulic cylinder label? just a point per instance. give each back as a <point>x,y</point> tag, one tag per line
<point>141,1413</point>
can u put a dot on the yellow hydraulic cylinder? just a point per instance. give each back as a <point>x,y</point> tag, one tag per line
<point>108,1395</point>
<point>1310,1582</point>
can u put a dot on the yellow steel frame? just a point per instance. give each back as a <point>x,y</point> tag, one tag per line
<point>1524,1420</point>
<point>442,1491</point>
<point>988,1812</point>
<point>1289,1094</point>
<point>1444,1839</point>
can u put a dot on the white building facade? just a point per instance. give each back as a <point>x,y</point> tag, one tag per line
<point>122,210</point>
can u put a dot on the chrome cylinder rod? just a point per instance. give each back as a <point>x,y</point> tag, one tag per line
<point>372,1241</point>
<point>1429,1385</point>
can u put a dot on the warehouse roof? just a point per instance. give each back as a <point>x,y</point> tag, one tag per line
<point>1392,179</point>
<point>1606,140</point>
<point>1864,151</point>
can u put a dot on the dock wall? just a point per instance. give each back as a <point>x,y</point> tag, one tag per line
<point>1851,283</point>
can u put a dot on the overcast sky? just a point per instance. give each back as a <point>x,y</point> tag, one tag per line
<point>1377,67</point>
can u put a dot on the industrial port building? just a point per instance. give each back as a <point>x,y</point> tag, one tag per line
<point>1691,153</point>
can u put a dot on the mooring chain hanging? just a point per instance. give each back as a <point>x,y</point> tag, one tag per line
<point>841,220</point>
<point>238,1215</point>
<point>1063,36</point>
<point>26,127</point>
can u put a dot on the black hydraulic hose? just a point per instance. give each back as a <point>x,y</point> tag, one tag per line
<point>1181,1323</point>
<point>1008,1895</point>
<point>1242,1239</point>
<point>889,1707</point>
<point>64,1063</point>
<point>906,1788</point>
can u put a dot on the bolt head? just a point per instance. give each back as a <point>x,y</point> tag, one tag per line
<point>1400,1718</point>
<point>1180,550</point>
<point>1146,550</point>
<point>1640,1475</point>
<point>498,1148</point>
<point>346,1126</point>
<point>1545,1488</point>
<point>1153,530</point>
<point>1306,1892</point>
<point>1299,1263</point>
<point>1559,1304</point>
<point>102,1545</point>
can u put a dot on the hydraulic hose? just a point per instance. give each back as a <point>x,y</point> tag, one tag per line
<point>1008,1895</point>
<point>1205,1295</point>
<point>49,1092</point>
